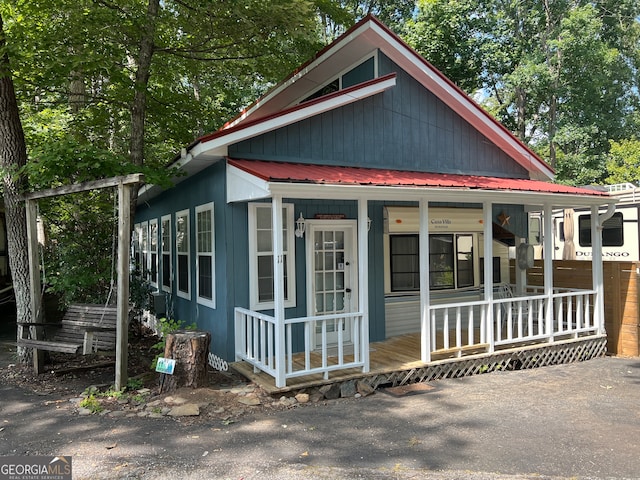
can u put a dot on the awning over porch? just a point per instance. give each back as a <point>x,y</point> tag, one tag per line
<point>255,179</point>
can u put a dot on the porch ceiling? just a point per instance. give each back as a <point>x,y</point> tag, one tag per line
<point>324,181</point>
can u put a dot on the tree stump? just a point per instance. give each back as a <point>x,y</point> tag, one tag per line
<point>190,350</point>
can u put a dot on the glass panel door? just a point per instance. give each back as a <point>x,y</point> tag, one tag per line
<point>333,273</point>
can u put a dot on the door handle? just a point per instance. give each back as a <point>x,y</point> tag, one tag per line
<point>348,290</point>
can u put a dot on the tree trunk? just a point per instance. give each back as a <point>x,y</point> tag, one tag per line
<point>190,350</point>
<point>139,105</point>
<point>521,106</point>
<point>143,72</point>
<point>13,156</point>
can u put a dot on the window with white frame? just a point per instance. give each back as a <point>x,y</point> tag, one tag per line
<point>205,252</point>
<point>144,247</point>
<point>153,252</point>
<point>136,251</point>
<point>183,254</point>
<point>261,256</point>
<point>165,245</point>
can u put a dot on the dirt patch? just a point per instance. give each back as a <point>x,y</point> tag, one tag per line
<point>411,389</point>
<point>84,385</point>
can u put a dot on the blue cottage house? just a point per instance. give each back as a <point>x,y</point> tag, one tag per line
<point>359,220</point>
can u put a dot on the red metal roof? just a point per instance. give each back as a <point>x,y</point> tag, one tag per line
<point>337,175</point>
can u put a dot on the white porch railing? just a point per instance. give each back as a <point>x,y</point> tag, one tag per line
<point>257,343</point>
<point>456,327</point>
<point>336,342</point>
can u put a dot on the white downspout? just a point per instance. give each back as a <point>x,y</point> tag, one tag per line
<point>597,270</point>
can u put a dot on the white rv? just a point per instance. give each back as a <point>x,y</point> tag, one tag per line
<point>456,247</point>
<point>619,236</point>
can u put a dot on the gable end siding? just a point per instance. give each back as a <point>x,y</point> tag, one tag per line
<point>404,128</point>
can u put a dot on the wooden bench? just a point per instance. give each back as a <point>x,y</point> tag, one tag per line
<point>84,326</point>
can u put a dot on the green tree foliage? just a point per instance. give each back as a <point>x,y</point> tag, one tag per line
<point>336,16</point>
<point>562,75</point>
<point>108,87</point>
<point>623,162</point>
<point>445,33</point>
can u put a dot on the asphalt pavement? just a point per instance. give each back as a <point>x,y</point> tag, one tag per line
<point>571,421</point>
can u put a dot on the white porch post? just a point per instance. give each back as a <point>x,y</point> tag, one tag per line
<point>597,269</point>
<point>363,278</point>
<point>425,329</point>
<point>547,248</point>
<point>278,288</point>
<point>487,216</point>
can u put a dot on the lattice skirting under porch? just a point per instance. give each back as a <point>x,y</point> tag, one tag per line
<point>532,356</point>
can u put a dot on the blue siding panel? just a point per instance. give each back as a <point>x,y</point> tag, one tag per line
<point>197,190</point>
<point>407,128</point>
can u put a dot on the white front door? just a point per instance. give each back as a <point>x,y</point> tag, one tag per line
<point>332,275</point>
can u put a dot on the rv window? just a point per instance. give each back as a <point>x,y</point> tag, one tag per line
<point>450,262</point>
<point>612,231</point>
<point>464,253</point>
<point>441,262</point>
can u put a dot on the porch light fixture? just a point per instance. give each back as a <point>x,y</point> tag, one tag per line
<point>299,231</point>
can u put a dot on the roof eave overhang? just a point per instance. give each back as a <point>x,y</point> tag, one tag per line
<point>321,57</point>
<point>206,153</point>
<point>373,192</point>
<point>265,189</point>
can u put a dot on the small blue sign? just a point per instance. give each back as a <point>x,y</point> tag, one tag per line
<point>165,365</point>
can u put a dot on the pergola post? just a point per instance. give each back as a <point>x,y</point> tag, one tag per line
<point>124,253</point>
<point>124,185</point>
<point>34,280</point>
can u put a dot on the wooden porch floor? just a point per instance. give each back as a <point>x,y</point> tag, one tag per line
<point>392,355</point>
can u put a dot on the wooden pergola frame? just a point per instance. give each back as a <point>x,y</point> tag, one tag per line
<point>124,185</point>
